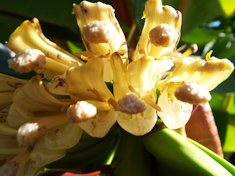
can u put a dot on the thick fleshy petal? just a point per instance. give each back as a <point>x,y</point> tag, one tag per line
<point>144,74</point>
<point>138,124</point>
<point>174,113</point>
<point>63,137</point>
<point>100,29</point>
<point>86,82</point>
<point>100,125</point>
<point>29,35</point>
<point>158,17</point>
<point>208,73</point>
<point>120,79</point>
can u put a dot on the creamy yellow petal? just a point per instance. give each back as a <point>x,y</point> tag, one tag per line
<point>86,82</point>
<point>120,79</point>
<point>138,124</point>
<point>144,74</point>
<point>100,125</point>
<point>174,113</point>
<point>208,73</point>
<point>100,29</point>
<point>167,22</point>
<point>29,35</point>
<point>63,137</point>
<point>9,83</point>
<point>32,100</point>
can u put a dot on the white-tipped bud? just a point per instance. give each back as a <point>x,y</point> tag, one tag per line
<point>29,133</point>
<point>9,169</point>
<point>131,104</point>
<point>97,32</point>
<point>27,60</point>
<point>81,111</point>
<point>163,35</point>
<point>192,93</point>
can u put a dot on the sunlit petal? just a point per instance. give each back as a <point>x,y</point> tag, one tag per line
<point>86,82</point>
<point>140,123</point>
<point>207,73</point>
<point>100,125</point>
<point>174,113</point>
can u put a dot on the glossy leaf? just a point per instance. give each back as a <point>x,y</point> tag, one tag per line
<point>228,6</point>
<point>224,112</point>
<point>200,36</point>
<point>200,11</point>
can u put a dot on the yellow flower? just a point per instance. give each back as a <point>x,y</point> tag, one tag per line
<point>46,116</point>
<point>35,131</point>
<point>204,74</point>
<point>135,89</point>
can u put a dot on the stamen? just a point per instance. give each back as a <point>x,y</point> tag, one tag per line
<point>113,103</point>
<point>192,93</point>
<point>99,96</point>
<point>97,32</point>
<point>81,111</point>
<point>152,104</point>
<point>132,89</point>
<point>131,104</point>
<point>29,133</point>
<point>27,60</point>
<point>192,49</point>
<point>208,55</point>
<point>163,35</point>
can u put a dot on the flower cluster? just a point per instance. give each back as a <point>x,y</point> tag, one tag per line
<point>44,116</point>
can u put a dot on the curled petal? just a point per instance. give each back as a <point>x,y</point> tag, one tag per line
<point>86,82</point>
<point>29,35</point>
<point>208,73</point>
<point>174,113</point>
<point>99,27</point>
<point>9,83</point>
<point>161,30</point>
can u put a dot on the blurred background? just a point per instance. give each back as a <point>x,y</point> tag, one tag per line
<point>210,24</point>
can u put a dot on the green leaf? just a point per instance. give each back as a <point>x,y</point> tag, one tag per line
<point>223,106</point>
<point>200,36</point>
<point>229,103</point>
<point>223,46</point>
<point>131,157</point>
<point>229,144</point>
<point>197,12</point>
<point>228,6</point>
